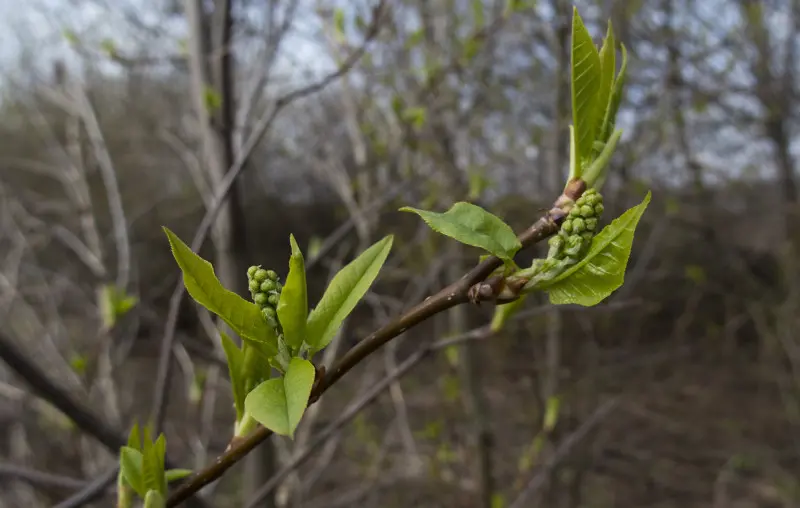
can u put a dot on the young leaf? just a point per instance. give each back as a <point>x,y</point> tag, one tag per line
<point>343,293</point>
<point>279,403</point>
<point>160,450</point>
<point>616,97</point>
<point>608,67</point>
<point>585,83</point>
<point>503,312</point>
<point>133,438</point>
<point>154,499</point>
<point>130,463</point>
<point>149,463</point>
<point>236,371</point>
<point>602,270</point>
<point>472,225</point>
<point>202,284</point>
<point>172,475</point>
<point>293,304</point>
<point>256,367</point>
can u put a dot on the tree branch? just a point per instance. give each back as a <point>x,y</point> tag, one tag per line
<point>455,294</point>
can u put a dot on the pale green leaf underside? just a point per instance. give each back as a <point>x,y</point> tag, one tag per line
<point>279,403</point>
<point>602,271</point>
<point>343,293</point>
<point>202,284</point>
<point>585,85</point>
<point>472,225</point>
<point>293,304</point>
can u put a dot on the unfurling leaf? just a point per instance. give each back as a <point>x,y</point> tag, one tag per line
<point>585,84</point>
<point>343,293</point>
<point>608,67</point>
<point>130,463</point>
<point>602,270</point>
<point>202,284</point>
<point>472,225</point>
<point>293,304</point>
<point>503,312</point>
<point>236,372</point>
<point>176,474</point>
<point>279,403</point>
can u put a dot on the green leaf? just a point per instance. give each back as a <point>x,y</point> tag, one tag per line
<point>472,225</point>
<point>279,403</point>
<point>415,116</point>
<point>338,23</point>
<point>585,83</point>
<point>130,463</point>
<point>477,13</point>
<point>608,67</point>
<point>154,499</point>
<point>236,371</point>
<point>343,293</point>
<point>256,367</point>
<point>602,270</point>
<point>616,97</point>
<point>202,284</point>
<point>293,304</point>
<point>134,441</point>
<point>503,312</point>
<point>551,413</point>
<point>176,474</point>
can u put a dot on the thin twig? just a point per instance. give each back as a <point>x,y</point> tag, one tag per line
<point>40,478</point>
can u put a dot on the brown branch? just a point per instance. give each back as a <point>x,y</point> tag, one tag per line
<point>455,294</point>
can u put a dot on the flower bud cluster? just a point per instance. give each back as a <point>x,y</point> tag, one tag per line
<point>265,289</point>
<point>573,239</point>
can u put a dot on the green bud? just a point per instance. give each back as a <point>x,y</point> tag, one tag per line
<point>253,285</point>
<point>261,299</point>
<point>575,211</point>
<point>278,287</point>
<point>591,223</point>
<point>251,271</point>
<point>578,226</point>
<point>260,275</point>
<point>273,299</point>
<point>566,226</point>
<point>556,244</point>
<point>267,285</point>
<point>598,209</point>
<point>587,211</point>
<point>587,237</point>
<point>269,313</point>
<point>272,275</point>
